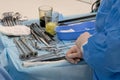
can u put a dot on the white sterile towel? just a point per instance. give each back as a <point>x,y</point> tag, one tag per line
<point>17,30</point>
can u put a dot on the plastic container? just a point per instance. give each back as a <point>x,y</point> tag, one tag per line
<point>73,31</point>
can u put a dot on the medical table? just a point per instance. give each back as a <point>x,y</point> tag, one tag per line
<point>46,70</point>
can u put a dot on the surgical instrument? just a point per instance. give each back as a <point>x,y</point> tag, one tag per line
<point>24,54</point>
<point>32,52</point>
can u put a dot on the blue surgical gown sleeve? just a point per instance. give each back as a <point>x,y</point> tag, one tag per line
<point>4,74</point>
<point>102,52</point>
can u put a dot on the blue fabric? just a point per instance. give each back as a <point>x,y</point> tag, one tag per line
<point>102,51</point>
<point>3,74</point>
<point>61,70</point>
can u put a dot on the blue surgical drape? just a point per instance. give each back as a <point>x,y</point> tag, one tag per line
<point>4,74</point>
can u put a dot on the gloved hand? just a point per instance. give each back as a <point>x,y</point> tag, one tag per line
<point>74,54</point>
<point>82,39</point>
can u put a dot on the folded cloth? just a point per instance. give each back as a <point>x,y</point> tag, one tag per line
<point>17,30</point>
